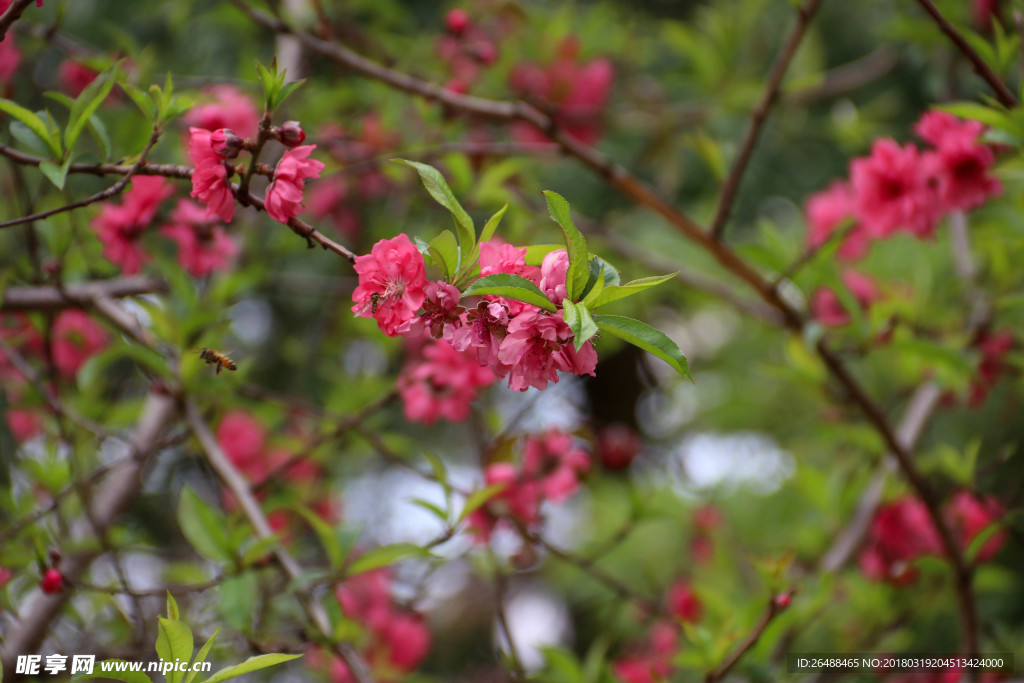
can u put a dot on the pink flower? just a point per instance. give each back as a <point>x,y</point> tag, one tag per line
<point>993,347</point>
<point>442,382</point>
<point>17,331</point>
<point>483,329</point>
<point>225,143</point>
<point>119,227</point>
<point>24,425</point>
<point>938,127</point>
<point>407,641</point>
<point>826,211</point>
<point>826,307</point>
<point>76,339</point>
<point>577,93</point>
<point>202,246</point>
<point>892,191</point>
<point>74,76</point>
<point>392,282</point>
<point>519,500</point>
<point>961,165</point>
<point>554,461</point>
<point>653,663</point>
<point>284,197</point>
<point>290,134</point>
<point>210,178</point>
<point>229,108</point>
<point>10,57</point>
<point>536,346</point>
<point>5,576</point>
<point>618,445</point>
<point>552,275</point>
<point>683,603</point>
<point>499,257</point>
<point>900,532</point>
<point>970,516</point>
<point>441,310</point>
<point>242,438</point>
<point>985,12</point>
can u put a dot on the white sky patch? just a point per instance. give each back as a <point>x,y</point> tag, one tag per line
<point>536,619</point>
<point>749,459</point>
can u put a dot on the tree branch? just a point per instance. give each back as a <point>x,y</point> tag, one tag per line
<point>1006,98</point>
<point>11,15</point>
<point>771,94</point>
<point>79,294</point>
<point>776,606</point>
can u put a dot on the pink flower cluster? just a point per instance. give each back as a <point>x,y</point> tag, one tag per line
<point>902,531</point>
<point>706,519</point>
<point>552,465</point>
<point>76,338</point>
<point>519,341</point>
<point>652,661</point>
<point>202,246</point>
<point>395,642</point>
<point>10,57</point>
<point>211,182</point>
<point>576,92</point>
<point>900,188</point>
<point>244,440</point>
<point>994,346</point>
<point>468,47</point>
<point>440,382</point>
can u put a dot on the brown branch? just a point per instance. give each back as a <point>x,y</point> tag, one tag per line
<point>848,77</point>
<point>239,487</point>
<point>771,94</point>
<point>12,14</point>
<point>776,606</point>
<point>1006,98</point>
<point>122,485</point>
<point>111,191</point>
<point>77,295</point>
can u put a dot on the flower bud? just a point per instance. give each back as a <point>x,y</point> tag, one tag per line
<point>290,134</point>
<point>53,581</point>
<point>225,143</point>
<point>457,21</point>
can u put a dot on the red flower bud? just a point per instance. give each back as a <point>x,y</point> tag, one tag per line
<point>53,581</point>
<point>457,21</point>
<point>225,143</point>
<point>291,134</point>
<point>783,600</point>
<point>618,445</point>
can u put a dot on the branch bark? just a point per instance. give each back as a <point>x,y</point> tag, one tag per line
<point>78,294</point>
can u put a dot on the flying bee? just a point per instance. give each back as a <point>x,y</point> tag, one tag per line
<point>215,357</point>
<point>374,302</point>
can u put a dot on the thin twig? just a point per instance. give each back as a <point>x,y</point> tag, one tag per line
<point>771,94</point>
<point>776,606</point>
<point>1006,98</point>
<point>500,591</point>
<point>12,14</point>
<point>111,191</point>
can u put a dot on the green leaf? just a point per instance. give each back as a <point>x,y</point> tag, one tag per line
<point>492,224</point>
<point>286,90</point>
<point>435,510</point>
<point>54,173</point>
<point>616,292</point>
<point>384,556</point>
<point>439,190</point>
<point>575,245</point>
<point>511,287</point>
<point>201,656</point>
<point>645,337</point>
<point>478,499</point>
<point>172,607</point>
<point>248,666</point>
<point>990,116</point>
<point>126,676</point>
<point>142,100</point>
<point>86,104</point>
<point>174,641</point>
<point>238,599</point>
<point>444,252</point>
<point>595,285</point>
<point>325,532</point>
<point>35,124</point>
<point>577,317</point>
<point>204,527</point>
